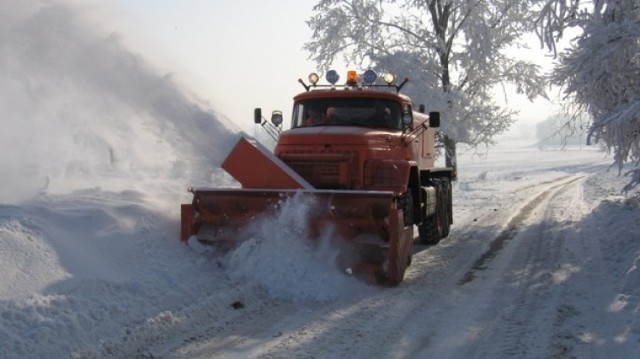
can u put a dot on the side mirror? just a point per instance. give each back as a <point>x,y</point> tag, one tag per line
<point>257,115</point>
<point>276,118</point>
<point>434,119</point>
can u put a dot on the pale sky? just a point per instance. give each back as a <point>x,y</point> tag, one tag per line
<point>237,55</point>
<point>242,54</point>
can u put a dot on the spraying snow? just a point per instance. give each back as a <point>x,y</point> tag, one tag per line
<point>79,110</point>
<point>279,255</point>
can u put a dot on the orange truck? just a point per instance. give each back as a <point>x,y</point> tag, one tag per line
<point>366,157</point>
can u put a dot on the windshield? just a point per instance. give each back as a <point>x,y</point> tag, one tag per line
<point>365,112</point>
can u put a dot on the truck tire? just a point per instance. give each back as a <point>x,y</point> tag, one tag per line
<point>431,230</point>
<point>406,203</point>
<point>446,203</point>
<point>428,231</point>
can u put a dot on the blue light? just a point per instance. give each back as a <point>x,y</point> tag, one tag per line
<point>369,77</point>
<point>332,77</point>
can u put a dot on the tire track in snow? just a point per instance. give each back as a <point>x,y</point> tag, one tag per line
<point>511,229</point>
<point>530,298</point>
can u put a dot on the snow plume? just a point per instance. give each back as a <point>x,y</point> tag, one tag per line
<point>79,110</point>
<point>279,255</point>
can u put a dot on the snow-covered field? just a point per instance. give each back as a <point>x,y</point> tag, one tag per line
<point>96,154</point>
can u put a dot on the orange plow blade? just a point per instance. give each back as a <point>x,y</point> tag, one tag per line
<point>375,244</point>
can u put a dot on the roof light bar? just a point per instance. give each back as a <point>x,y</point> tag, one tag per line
<point>367,79</point>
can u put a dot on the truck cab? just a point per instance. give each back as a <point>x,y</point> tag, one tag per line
<point>366,136</point>
<point>357,137</point>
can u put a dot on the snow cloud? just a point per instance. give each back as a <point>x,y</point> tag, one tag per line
<point>80,110</point>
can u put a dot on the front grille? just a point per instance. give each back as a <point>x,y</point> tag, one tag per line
<point>324,174</point>
<point>381,174</point>
<point>324,170</point>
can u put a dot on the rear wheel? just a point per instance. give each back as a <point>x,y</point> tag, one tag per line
<point>432,229</point>
<point>446,204</point>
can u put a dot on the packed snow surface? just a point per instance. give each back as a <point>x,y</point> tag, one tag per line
<point>97,151</point>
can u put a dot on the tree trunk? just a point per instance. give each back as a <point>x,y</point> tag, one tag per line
<point>440,15</point>
<point>450,155</point>
<point>449,143</point>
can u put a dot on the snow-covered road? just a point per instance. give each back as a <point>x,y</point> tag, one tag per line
<point>523,274</point>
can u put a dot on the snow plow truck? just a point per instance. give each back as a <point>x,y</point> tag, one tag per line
<point>365,156</point>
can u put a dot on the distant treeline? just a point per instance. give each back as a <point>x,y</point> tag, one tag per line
<point>558,130</point>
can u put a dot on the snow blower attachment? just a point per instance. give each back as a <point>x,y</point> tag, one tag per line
<point>377,247</point>
<point>365,160</point>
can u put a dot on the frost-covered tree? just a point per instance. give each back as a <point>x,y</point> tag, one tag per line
<point>454,51</point>
<point>600,71</point>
